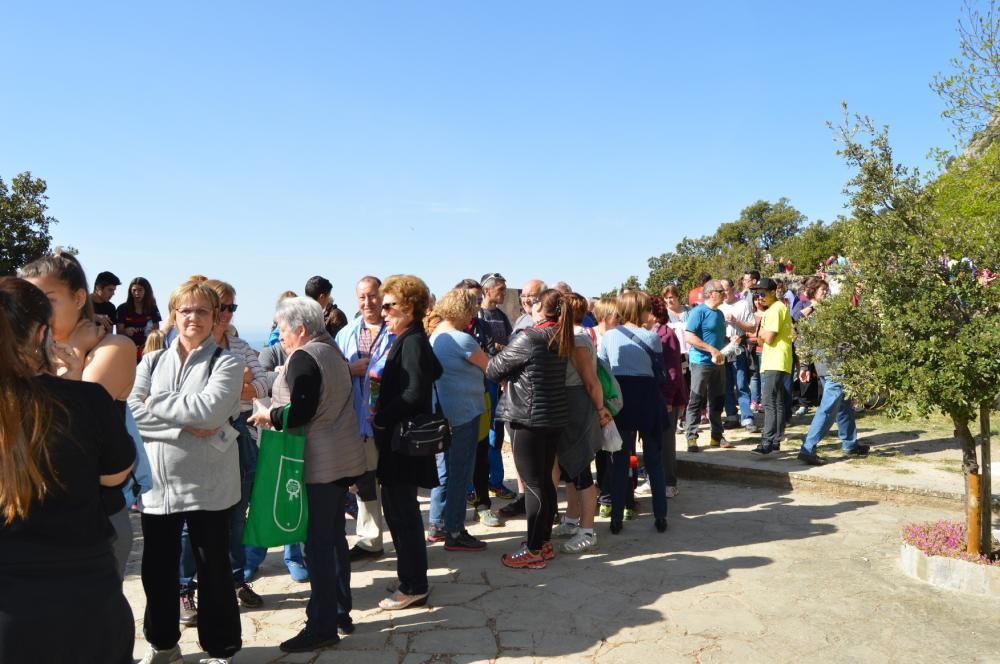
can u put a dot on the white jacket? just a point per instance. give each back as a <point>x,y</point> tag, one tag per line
<point>189,472</point>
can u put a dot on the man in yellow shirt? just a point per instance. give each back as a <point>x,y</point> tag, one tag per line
<point>775,364</point>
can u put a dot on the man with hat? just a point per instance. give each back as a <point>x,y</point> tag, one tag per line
<point>775,364</point>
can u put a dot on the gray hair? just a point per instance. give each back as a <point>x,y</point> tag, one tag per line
<point>711,285</point>
<point>304,311</point>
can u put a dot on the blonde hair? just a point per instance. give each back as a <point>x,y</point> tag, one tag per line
<point>605,308</point>
<point>632,305</point>
<point>284,296</point>
<point>412,294</point>
<point>221,288</point>
<point>194,290</point>
<point>457,304</point>
<point>155,340</point>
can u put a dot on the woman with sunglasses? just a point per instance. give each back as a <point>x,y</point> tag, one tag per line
<point>254,386</point>
<point>401,379</point>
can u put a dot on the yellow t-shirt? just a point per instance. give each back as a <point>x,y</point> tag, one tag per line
<point>777,356</point>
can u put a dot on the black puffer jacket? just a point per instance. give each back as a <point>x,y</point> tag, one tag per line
<point>536,394</point>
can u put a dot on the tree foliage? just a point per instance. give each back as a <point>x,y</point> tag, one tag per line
<point>925,332</point>
<point>762,227</point>
<point>24,226</point>
<point>971,91</point>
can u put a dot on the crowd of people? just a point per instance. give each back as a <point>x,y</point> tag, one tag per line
<point>110,409</point>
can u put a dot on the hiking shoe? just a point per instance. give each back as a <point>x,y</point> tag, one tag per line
<point>488,517</point>
<point>170,656</point>
<point>722,443</point>
<point>693,445</point>
<point>502,492</point>
<point>248,598</point>
<point>524,558</point>
<point>581,542</point>
<point>604,511</point>
<point>630,513</point>
<point>189,610</point>
<point>463,541</point>
<point>547,552</point>
<point>761,451</point>
<point>810,459</point>
<point>306,642</point>
<point>672,491</point>
<point>435,534</point>
<point>513,509</point>
<point>858,450</point>
<point>565,529</point>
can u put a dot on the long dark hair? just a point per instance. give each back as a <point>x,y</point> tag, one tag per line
<point>557,311</point>
<point>65,268</point>
<point>148,301</point>
<point>26,409</point>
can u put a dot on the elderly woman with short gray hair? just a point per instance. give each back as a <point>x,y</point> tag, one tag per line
<point>316,388</point>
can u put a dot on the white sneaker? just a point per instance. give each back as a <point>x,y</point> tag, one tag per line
<point>170,656</point>
<point>644,489</point>
<point>565,529</point>
<point>216,660</point>
<point>672,491</point>
<point>580,543</point>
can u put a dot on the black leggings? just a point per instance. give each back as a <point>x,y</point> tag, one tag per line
<point>481,475</point>
<point>534,456</point>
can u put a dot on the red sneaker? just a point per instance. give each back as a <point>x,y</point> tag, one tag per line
<point>524,558</point>
<point>546,552</point>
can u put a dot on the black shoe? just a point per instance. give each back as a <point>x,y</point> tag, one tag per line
<point>761,451</point>
<point>463,541</point>
<point>248,598</point>
<point>360,553</point>
<point>811,459</point>
<point>306,642</point>
<point>661,525</point>
<point>345,625</point>
<point>858,450</point>
<point>189,610</point>
<point>616,527</point>
<point>513,509</point>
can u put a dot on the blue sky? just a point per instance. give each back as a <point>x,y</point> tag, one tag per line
<point>263,143</point>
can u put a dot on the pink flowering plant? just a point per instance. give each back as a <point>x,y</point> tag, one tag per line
<point>943,538</point>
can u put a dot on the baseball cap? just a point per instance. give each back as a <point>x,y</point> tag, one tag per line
<point>766,284</point>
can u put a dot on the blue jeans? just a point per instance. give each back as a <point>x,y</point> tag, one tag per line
<point>652,458</point>
<point>255,555</point>
<point>755,382</point>
<point>833,406</point>
<point>743,375</point>
<point>496,437</point>
<point>454,472</point>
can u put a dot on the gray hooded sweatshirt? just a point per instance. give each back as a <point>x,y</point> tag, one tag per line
<point>189,472</point>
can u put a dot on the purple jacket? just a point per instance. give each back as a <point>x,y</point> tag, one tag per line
<point>676,392</point>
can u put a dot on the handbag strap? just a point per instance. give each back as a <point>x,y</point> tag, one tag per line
<point>649,351</point>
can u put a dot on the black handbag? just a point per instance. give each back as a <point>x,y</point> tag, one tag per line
<point>422,435</point>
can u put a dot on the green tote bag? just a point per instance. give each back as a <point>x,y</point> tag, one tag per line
<point>279,513</point>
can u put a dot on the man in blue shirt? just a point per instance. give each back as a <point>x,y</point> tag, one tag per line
<point>705,333</point>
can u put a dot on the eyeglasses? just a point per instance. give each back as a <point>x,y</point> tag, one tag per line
<point>228,307</point>
<point>194,313</point>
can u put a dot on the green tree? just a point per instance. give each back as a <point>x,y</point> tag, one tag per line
<point>632,283</point>
<point>24,226</point>
<point>971,91</point>
<point>734,247</point>
<point>924,332</point>
<point>814,244</point>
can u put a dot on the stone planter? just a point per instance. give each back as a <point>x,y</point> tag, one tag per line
<point>950,573</point>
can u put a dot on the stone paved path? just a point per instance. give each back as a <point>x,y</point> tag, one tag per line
<point>742,575</point>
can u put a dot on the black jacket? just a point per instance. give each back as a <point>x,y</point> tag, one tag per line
<point>406,390</point>
<point>536,394</point>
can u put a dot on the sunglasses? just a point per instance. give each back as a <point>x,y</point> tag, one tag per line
<point>386,306</point>
<point>228,307</point>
